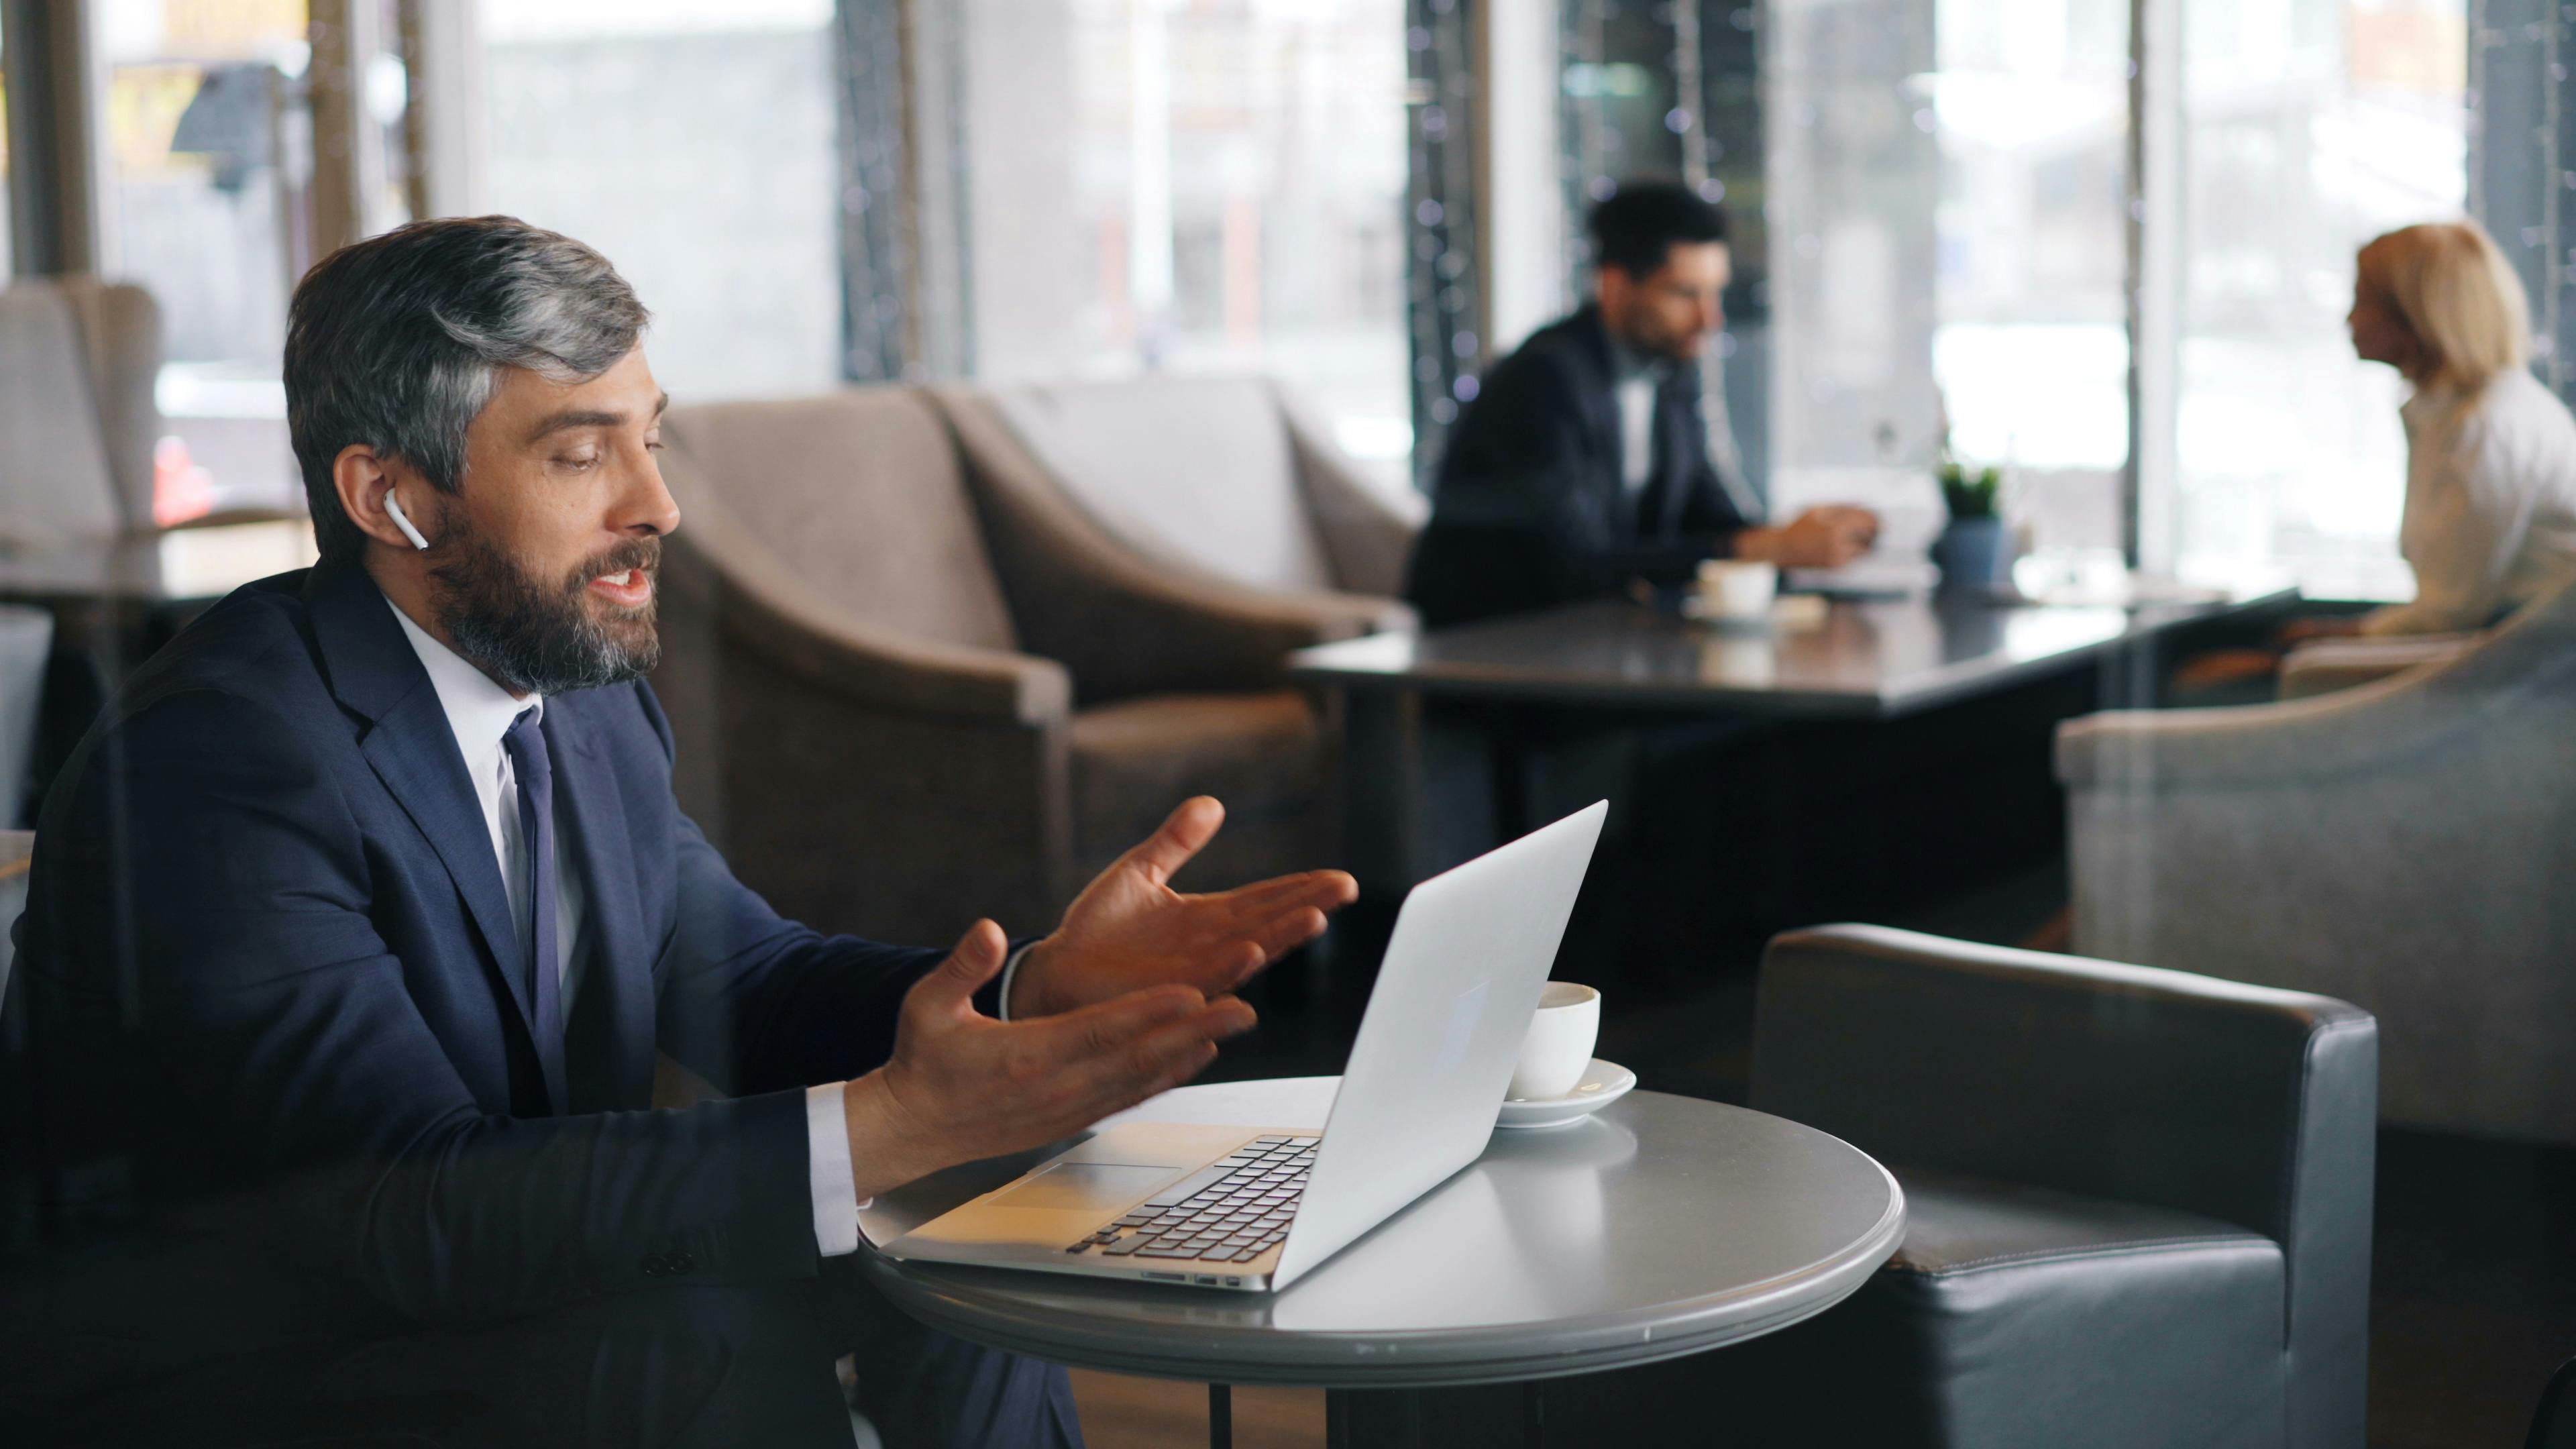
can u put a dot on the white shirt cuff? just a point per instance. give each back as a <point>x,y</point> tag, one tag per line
<point>827,1157</point>
<point>827,1151</point>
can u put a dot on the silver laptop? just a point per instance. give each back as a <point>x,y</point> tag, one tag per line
<point>1255,1207</point>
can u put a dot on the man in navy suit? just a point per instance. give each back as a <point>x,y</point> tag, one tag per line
<point>358,918</point>
<point>1583,465</point>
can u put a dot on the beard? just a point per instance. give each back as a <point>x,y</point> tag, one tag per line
<point>546,637</point>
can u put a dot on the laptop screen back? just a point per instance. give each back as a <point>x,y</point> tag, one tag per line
<point>1463,972</point>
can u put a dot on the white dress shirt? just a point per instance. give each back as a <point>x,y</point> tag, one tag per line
<point>1635,381</point>
<point>480,713</point>
<point>2490,504</point>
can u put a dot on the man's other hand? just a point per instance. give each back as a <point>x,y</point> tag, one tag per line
<point>1826,537</point>
<point>1130,930</point>
<point>963,1086</point>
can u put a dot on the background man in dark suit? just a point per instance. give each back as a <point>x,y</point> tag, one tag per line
<point>1583,464</point>
<point>357,920</point>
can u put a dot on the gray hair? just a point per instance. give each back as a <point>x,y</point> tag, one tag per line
<point>397,341</point>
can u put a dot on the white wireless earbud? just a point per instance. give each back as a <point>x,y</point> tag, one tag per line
<point>393,506</point>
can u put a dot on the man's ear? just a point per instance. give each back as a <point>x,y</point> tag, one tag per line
<point>368,484</point>
<point>1612,287</point>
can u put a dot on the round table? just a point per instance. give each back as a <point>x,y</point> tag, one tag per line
<point>1660,1226</point>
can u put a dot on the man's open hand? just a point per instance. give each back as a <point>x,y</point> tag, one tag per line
<point>962,1086</point>
<point>1130,930</point>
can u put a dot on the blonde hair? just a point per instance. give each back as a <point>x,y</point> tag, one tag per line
<point>2458,295</point>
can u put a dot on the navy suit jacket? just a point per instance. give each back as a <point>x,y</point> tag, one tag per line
<point>267,960</point>
<point>1529,509</point>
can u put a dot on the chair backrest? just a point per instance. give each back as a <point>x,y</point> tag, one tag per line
<point>2244,1103</point>
<point>1194,471</point>
<point>2404,845</point>
<point>78,361</point>
<point>857,494</point>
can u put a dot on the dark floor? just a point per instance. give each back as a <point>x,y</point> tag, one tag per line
<point>2473,1288</point>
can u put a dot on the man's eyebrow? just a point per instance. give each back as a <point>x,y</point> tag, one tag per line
<point>589,418</point>
<point>575,418</point>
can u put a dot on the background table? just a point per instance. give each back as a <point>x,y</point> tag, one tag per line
<point>1423,791</point>
<point>1662,1226</point>
<point>1876,658</point>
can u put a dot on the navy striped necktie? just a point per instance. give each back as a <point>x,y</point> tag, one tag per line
<point>526,743</point>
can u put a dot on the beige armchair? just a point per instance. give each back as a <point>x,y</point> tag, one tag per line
<point>78,360</point>
<point>1222,475</point>
<point>2407,845</point>
<point>909,690</point>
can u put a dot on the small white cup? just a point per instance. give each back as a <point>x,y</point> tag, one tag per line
<point>1559,1045</point>
<point>1737,588</point>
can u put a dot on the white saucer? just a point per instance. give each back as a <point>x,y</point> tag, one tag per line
<point>1603,1083</point>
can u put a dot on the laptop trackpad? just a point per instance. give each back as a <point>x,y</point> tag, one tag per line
<point>1097,1186</point>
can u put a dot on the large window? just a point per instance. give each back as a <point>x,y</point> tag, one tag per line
<point>1951,253</point>
<point>2030,345</point>
<point>1982,145</point>
<point>692,144</point>
<point>209,171</point>
<point>2308,127</point>
<point>1215,186</point>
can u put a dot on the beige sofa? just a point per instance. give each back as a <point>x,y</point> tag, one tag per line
<point>912,685</point>
<point>2408,845</point>
<point>1225,476</point>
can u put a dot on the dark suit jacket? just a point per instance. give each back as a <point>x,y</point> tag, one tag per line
<point>1529,510</point>
<point>267,960</point>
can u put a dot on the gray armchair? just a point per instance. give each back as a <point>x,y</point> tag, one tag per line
<point>1224,476</point>
<point>907,693</point>
<point>2328,665</point>
<point>2138,1207</point>
<point>2406,845</point>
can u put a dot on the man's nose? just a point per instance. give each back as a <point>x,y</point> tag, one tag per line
<point>648,507</point>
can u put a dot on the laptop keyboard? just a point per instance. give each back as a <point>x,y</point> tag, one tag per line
<point>1231,1211</point>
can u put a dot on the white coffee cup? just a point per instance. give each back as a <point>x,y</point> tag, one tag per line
<point>1559,1045</point>
<point>1738,588</point>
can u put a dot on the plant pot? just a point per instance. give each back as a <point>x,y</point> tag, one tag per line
<point>1975,555</point>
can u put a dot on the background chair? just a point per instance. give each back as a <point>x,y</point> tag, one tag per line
<point>2327,665</point>
<point>78,360</point>
<point>2138,1207</point>
<point>1223,475</point>
<point>2405,845</point>
<point>910,691</point>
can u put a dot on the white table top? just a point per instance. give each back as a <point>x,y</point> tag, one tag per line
<point>1660,1227</point>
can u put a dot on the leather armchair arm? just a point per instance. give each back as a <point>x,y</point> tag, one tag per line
<point>1124,626</point>
<point>2248,1104</point>
<point>1369,534</point>
<point>2328,665</point>
<point>762,609</point>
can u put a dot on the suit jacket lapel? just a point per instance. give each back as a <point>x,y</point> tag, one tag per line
<point>1661,506</point>
<point>413,750</point>
<point>610,1046</point>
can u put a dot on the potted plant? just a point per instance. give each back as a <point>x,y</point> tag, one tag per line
<point>1975,552</point>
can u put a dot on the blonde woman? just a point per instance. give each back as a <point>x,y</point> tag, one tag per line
<point>2490,517</point>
